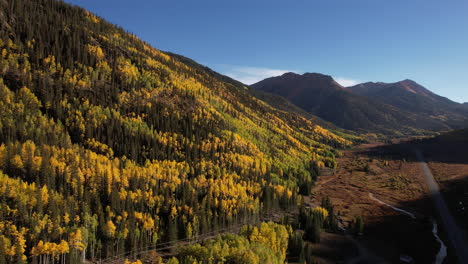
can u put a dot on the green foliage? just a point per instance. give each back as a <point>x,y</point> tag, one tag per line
<point>312,220</point>
<point>102,133</point>
<point>254,245</point>
<point>296,246</point>
<point>331,222</point>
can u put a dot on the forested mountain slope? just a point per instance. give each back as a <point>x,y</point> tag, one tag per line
<point>108,145</point>
<point>283,104</point>
<point>464,106</point>
<point>320,95</point>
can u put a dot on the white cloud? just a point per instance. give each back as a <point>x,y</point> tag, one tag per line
<point>346,82</point>
<point>250,75</point>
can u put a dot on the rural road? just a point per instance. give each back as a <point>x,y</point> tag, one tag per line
<point>454,233</point>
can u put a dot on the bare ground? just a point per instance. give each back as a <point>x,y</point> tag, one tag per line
<point>388,233</point>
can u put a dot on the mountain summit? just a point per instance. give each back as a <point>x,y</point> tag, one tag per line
<point>410,96</point>
<point>377,107</point>
<point>292,85</point>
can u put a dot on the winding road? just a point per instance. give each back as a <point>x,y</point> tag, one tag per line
<point>391,206</point>
<point>454,233</point>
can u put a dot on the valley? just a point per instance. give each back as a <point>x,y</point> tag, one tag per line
<point>114,151</point>
<point>369,181</point>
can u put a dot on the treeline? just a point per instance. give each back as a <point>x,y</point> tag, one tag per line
<point>107,144</point>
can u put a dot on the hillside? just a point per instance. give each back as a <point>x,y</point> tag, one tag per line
<point>283,104</point>
<point>412,97</point>
<point>320,95</point>
<point>448,147</point>
<point>109,145</point>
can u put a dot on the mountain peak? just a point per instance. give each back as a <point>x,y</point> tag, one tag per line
<point>308,80</point>
<point>413,87</point>
<point>291,74</point>
<point>407,95</point>
<point>315,74</point>
<point>407,81</point>
<point>403,86</point>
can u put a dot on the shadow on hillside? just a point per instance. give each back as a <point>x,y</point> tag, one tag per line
<point>397,233</point>
<point>434,149</point>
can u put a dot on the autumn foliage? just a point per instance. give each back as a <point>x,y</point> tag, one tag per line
<point>108,144</point>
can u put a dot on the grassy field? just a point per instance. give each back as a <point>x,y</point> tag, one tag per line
<point>396,180</point>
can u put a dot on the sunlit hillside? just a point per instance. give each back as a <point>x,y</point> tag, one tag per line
<point>108,144</point>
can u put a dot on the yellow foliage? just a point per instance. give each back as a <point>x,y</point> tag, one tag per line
<point>63,247</point>
<point>96,51</point>
<point>91,17</point>
<point>133,262</point>
<point>44,195</point>
<point>227,170</point>
<point>173,212</point>
<point>50,248</point>
<point>76,240</point>
<point>110,228</point>
<point>66,218</point>
<point>38,249</point>
<point>17,162</point>
<point>2,155</point>
<point>321,211</point>
<point>129,72</point>
<point>148,223</point>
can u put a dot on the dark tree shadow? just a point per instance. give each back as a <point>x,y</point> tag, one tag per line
<point>414,237</point>
<point>449,148</point>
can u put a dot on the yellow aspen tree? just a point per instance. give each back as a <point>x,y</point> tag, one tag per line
<point>76,241</point>
<point>109,229</point>
<point>20,245</point>
<point>63,249</point>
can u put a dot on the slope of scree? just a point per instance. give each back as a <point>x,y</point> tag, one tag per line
<point>109,145</point>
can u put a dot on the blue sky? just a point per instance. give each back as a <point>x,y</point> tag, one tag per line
<point>352,40</point>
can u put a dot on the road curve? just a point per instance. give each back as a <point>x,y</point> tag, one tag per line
<point>371,195</point>
<point>454,233</point>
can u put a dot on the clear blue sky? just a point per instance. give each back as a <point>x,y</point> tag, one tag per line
<point>352,40</point>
